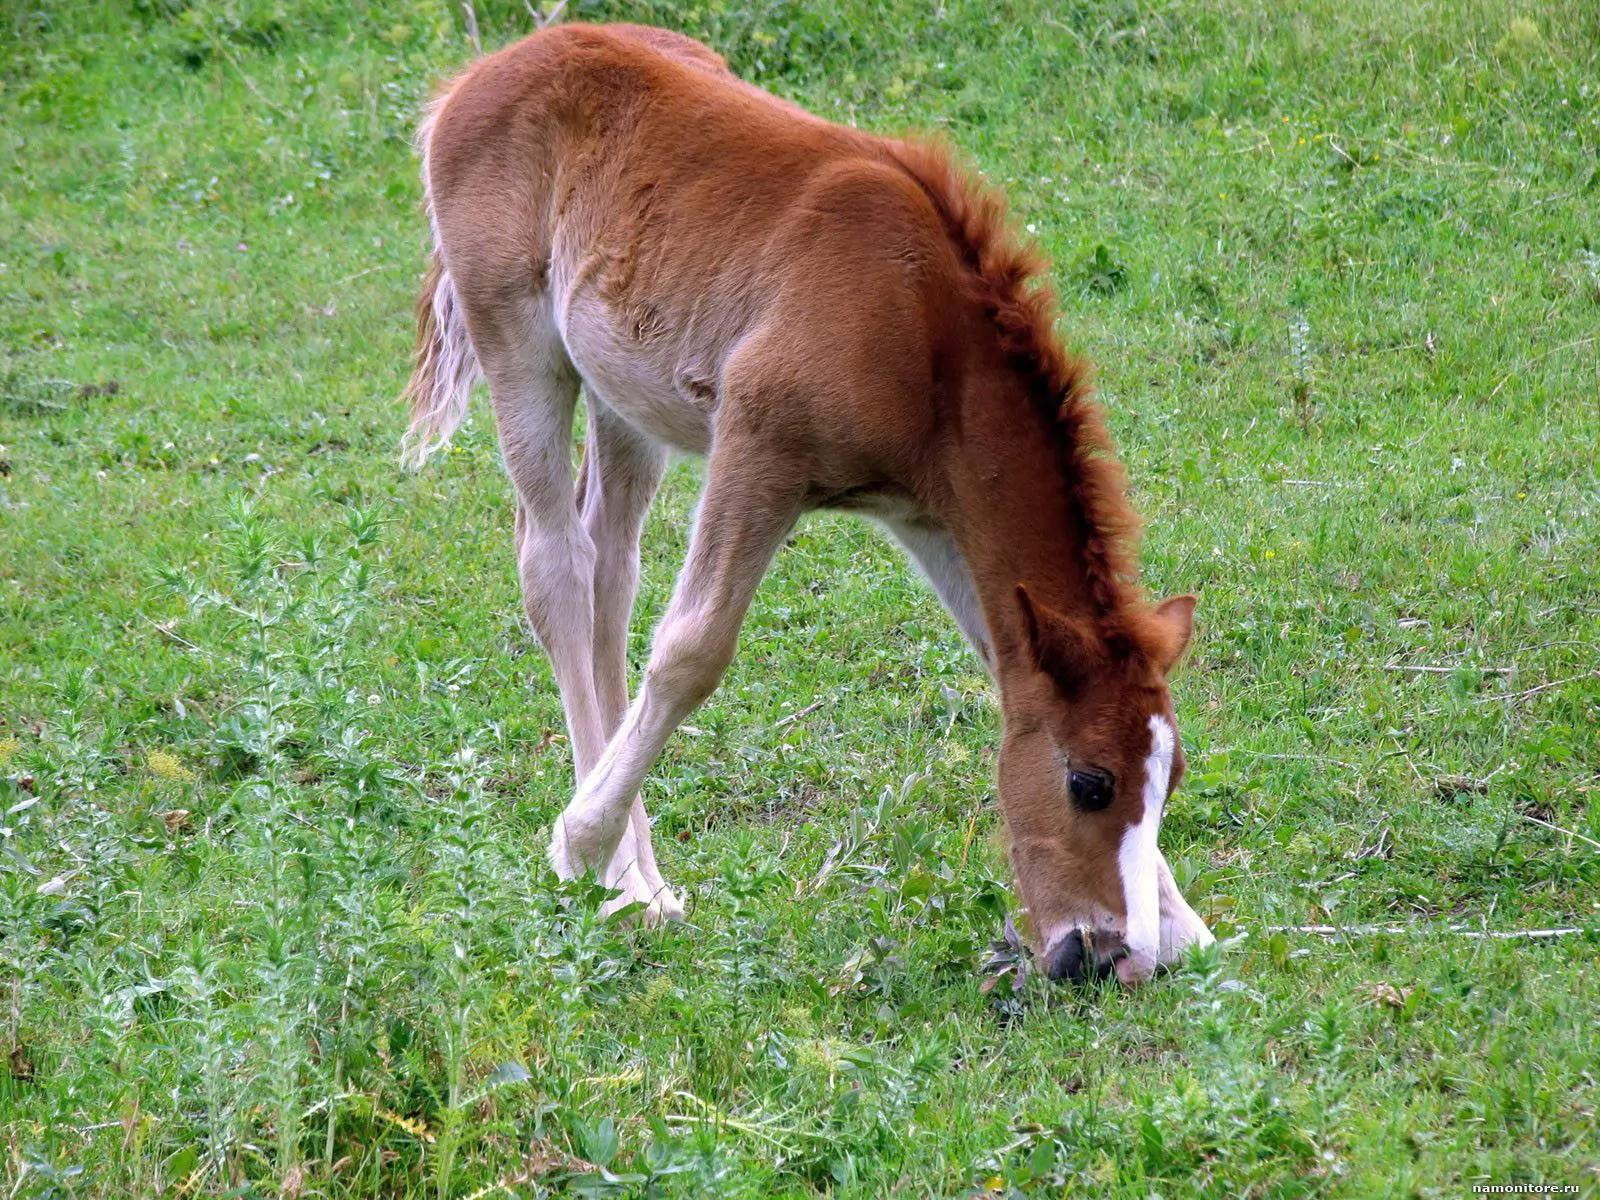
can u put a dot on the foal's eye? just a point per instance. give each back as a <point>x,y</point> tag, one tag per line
<point>1092,790</point>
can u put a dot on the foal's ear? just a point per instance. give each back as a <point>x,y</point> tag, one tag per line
<point>1175,619</point>
<point>1059,647</point>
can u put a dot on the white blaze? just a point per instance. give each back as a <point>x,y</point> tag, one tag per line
<point>1138,858</point>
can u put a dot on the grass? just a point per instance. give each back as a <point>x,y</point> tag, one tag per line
<point>277,754</point>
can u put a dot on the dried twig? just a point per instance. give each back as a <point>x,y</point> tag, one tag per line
<point>804,712</point>
<point>167,632</point>
<point>1304,758</point>
<point>1543,687</point>
<point>370,270</point>
<point>1558,349</point>
<point>472,28</point>
<point>547,21</point>
<point>1451,785</point>
<point>1458,164</point>
<point>1340,151</point>
<point>766,1130</point>
<point>254,90</point>
<point>1426,669</point>
<point>294,816</point>
<point>1563,832</point>
<point>1452,930</point>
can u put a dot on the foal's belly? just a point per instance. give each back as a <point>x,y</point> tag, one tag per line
<point>628,366</point>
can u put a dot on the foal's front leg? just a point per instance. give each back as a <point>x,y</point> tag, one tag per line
<point>750,503</point>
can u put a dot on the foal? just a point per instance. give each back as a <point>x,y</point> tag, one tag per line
<point>834,320</point>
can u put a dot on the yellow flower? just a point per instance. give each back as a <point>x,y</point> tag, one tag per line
<point>164,765</point>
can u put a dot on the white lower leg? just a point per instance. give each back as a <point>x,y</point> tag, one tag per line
<point>589,831</point>
<point>740,524</point>
<point>622,470</point>
<point>604,829</point>
<point>1181,926</point>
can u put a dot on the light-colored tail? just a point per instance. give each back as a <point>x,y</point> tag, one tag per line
<point>444,369</point>
<point>444,365</point>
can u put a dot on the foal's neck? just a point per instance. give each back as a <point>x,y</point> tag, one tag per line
<point>1018,519</point>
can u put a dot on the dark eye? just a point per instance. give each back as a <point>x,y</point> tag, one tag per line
<point>1092,790</point>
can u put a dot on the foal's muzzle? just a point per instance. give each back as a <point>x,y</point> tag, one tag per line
<point>1083,955</point>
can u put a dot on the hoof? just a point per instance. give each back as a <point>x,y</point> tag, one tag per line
<point>567,854</point>
<point>560,861</point>
<point>660,904</point>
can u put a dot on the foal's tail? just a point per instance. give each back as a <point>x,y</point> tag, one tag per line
<point>444,368</point>
<point>444,365</point>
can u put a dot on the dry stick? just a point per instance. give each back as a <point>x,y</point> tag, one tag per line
<point>1564,832</point>
<point>370,270</point>
<point>1430,670</point>
<point>1339,150</point>
<point>1402,148</point>
<point>804,712</point>
<point>1540,358</point>
<point>165,632</point>
<point>966,842</point>
<point>757,1128</point>
<point>1557,641</point>
<point>1453,931</point>
<point>294,816</point>
<point>544,22</point>
<point>472,28</point>
<point>1543,687</point>
<point>1304,758</point>
<point>254,90</point>
<point>1558,349</point>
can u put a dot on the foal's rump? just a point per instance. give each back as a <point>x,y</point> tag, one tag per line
<point>688,232</point>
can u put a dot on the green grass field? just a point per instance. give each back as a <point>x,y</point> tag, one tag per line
<point>278,755</point>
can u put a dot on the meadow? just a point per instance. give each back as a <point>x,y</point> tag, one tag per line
<point>278,755</point>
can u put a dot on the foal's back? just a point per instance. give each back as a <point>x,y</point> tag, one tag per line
<point>686,238</point>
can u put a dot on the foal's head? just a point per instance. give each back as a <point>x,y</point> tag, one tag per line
<point>1090,756</point>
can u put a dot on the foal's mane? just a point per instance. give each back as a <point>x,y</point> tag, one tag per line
<point>1011,276</point>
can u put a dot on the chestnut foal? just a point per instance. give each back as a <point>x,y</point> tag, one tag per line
<point>834,320</point>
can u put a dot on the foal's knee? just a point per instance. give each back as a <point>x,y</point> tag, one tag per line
<point>690,657</point>
<point>557,570</point>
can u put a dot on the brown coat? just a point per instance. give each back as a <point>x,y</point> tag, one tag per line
<point>836,320</point>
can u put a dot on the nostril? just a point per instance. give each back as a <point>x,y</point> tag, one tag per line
<point>1081,956</point>
<point>1109,949</point>
<point>1064,960</point>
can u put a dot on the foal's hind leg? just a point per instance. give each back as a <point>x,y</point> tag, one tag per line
<point>535,390</point>
<point>621,471</point>
<point>750,503</point>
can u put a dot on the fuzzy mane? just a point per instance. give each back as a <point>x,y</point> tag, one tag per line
<point>1012,278</point>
